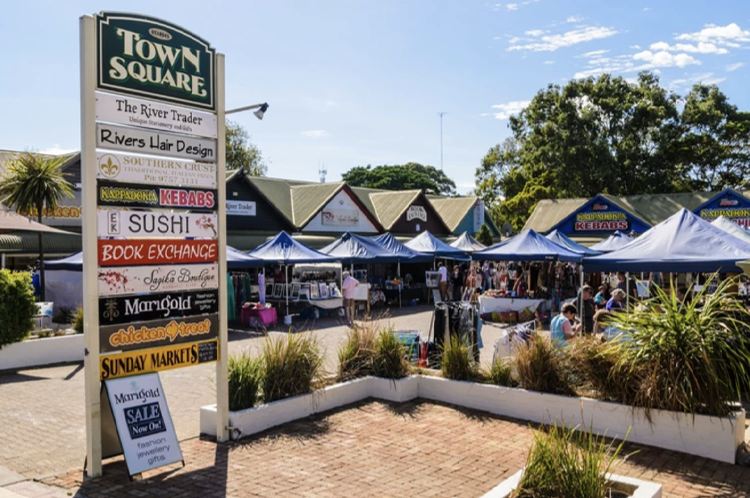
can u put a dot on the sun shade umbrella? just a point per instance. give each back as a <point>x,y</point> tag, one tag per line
<point>683,242</point>
<point>563,240</point>
<point>612,243</point>
<point>467,243</point>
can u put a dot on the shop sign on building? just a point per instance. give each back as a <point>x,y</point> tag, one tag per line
<point>67,213</point>
<point>156,252</point>
<point>241,208</point>
<point>166,172</point>
<point>143,422</point>
<point>600,217</point>
<point>147,57</point>
<point>117,281</point>
<point>416,213</point>
<point>155,333</point>
<point>729,204</point>
<point>340,217</point>
<point>121,109</point>
<point>116,223</point>
<point>118,310</point>
<point>113,366</point>
<point>478,215</point>
<point>144,196</point>
<point>157,143</point>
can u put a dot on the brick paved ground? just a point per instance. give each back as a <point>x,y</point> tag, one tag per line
<point>379,449</point>
<point>42,411</point>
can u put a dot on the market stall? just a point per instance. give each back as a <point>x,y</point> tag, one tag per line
<point>426,243</point>
<point>731,228</point>
<point>614,242</point>
<point>467,244</point>
<point>563,240</point>
<point>396,288</point>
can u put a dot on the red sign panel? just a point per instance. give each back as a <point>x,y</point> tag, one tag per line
<point>156,252</point>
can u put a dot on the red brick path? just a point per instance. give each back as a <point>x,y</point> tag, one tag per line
<point>379,449</point>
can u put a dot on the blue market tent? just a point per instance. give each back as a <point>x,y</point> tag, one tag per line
<point>355,249</point>
<point>403,253</point>
<point>427,243</point>
<point>467,243</point>
<point>612,243</point>
<point>236,260</point>
<point>683,242</point>
<point>284,250</point>
<point>731,228</point>
<point>527,246</point>
<point>561,239</point>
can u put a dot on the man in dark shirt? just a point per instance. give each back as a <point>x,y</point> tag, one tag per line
<point>588,308</point>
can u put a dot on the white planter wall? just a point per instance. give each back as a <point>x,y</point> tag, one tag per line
<point>38,352</point>
<point>704,436</point>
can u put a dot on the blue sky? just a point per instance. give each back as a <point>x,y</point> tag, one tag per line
<point>353,82</point>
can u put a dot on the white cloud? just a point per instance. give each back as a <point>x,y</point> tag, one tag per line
<point>315,134</point>
<point>512,7</point>
<point>705,78</point>
<point>723,35</point>
<point>701,48</point>
<point>56,150</point>
<point>594,53</point>
<point>735,66</point>
<point>507,110</point>
<point>646,9</point>
<point>549,62</point>
<point>535,32</point>
<point>635,47</point>
<point>665,59</point>
<point>550,43</point>
<point>574,19</point>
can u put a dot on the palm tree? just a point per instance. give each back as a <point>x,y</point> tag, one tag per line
<point>31,183</point>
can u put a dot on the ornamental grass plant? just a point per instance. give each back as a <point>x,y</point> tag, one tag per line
<point>691,357</point>
<point>389,356</point>
<point>244,378</point>
<point>290,366</point>
<point>568,463</point>
<point>500,373</point>
<point>457,362</point>
<point>356,354</point>
<point>541,366</point>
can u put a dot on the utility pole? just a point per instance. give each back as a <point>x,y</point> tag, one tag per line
<point>441,138</point>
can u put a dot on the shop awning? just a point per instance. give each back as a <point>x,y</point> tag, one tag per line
<point>27,243</point>
<point>527,246</point>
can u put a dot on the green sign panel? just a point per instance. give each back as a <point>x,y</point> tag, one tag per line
<point>148,57</point>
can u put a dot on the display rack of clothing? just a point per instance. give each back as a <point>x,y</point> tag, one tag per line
<point>240,289</point>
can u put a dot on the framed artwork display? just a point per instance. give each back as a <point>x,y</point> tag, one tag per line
<point>323,291</point>
<point>278,290</point>
<point>313,291</point>
<point>295,291</point>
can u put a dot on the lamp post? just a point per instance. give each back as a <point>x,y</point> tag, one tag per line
<point>261,109</point>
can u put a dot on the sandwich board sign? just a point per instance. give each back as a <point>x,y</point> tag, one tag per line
<point>145,433</point>
<point>152,136</point>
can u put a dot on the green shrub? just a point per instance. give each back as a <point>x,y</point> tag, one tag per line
<point>356,354</point>
<point>388,360</point>
<point>64,315</point>
<point>569,463</point>
<point>542,367</point>
<point>691,357</point>
<point>594,361</point>
<point>245,374</point>
<point>501,373</point>
<point>484,236</point>
<point>78,320</point>
<point>290,365</point>
<point>457,362</point>
<point>17,307</point>
<point>44,333</point>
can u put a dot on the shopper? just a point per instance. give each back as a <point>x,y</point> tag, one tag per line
<point>562,325</point>
<point>347,287</point>
<point>443,271</point>
<point>601,298</point>
<point>588,309</point>
<point>616,302</point>
<point>456,283</point>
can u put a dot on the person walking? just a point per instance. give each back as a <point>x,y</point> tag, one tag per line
<point>347,287</point>
<point>443,271</point>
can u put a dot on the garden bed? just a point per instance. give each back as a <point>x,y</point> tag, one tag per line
<point>711,437</point>
<point>624,486</point>
<point>41,352</point>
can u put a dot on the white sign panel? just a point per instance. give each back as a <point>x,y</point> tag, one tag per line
<point>154,170</point>
<point>149,114</point>
<point>115,223</point>
<point>340,217</point>
<point>478,215</point>
<point>152,142</point>
<point>118,281</point>
<point>416,213</point>
<point>241,208</point>
<point>143,422</point>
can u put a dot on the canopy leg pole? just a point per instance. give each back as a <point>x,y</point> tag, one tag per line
<point>627,290</point>
<point>3,261</point>
<point>398,271</point>
<point>580,300</point>
<point>286,289</point>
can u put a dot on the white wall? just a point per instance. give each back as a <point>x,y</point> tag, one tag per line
<point>342,203</point>
<point>40,352</point>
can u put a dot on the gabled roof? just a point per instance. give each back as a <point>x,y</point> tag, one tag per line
<point>549,212</point>
<point>389,206</point>
<point>278,193</point>
<point>308,200</point>
<point>452,209</point>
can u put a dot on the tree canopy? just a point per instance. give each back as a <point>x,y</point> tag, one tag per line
<point>241,153</point>
<point>409,176</point>
<point>609,135</point>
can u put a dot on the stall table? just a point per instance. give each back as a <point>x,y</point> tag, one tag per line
<point>259,317</point>
<point>407,294</point>
<point>500,304</point>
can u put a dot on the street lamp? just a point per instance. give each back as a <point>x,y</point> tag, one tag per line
<point>261,110</point>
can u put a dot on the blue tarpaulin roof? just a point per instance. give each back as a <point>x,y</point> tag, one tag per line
<point>614,242</point>
<point>561,239</point>
<point>467,243</point>
<point>355,249</point>
<point>284,250</point>
<point>427,243</point>
<point>731,228</point>
<point>403,253</point>
<point>527,246</point>
<point>236,260</point>
<point>683,242</point>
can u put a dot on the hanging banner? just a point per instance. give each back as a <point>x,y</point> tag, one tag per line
<point>124,110</point>
<point>478,215</point>
<point>118,310</point>
<point>113,366</point>
<point>140,279</point>
<point>241,208</point>
<point>112,223</point>
<point>148,57</point>
<point>154,170</point>
<point>156,252</point>
<point>130,337</point>
<point>156,143</point>
<point>143,422</point>
<point>132,195</point>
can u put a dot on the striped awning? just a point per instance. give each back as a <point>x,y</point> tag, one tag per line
<point>27,244</point>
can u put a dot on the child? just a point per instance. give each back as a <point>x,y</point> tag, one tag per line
<point>601,298</point>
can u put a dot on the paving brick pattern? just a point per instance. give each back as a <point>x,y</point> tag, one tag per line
<point>380,449</point>
<point>42,428</point>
